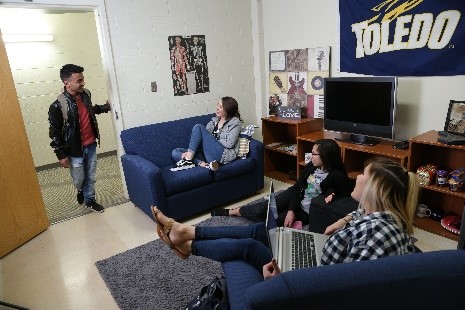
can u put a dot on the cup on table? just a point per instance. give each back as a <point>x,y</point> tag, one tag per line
<point>308,157</point>
<point>423,211</point>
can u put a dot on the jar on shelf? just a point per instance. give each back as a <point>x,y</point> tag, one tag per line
<point>441,178</point>
<point>426,174</point>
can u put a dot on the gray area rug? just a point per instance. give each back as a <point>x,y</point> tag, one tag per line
<point>151,276</point>
<point>59,193</point>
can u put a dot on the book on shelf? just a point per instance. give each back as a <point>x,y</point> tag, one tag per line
<point>275,144</point>
<point>284,147</point>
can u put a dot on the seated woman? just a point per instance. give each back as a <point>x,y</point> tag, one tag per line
<point>216,143</point>
<point>324,174</point>
<point>382,225</point>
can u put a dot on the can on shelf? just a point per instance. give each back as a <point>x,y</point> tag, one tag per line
<point>441,178</point>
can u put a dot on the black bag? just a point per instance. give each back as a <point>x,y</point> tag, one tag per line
<point>212,297</point>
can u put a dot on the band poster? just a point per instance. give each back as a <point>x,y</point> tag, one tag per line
<point>296,79</point>
<point>189,68</point>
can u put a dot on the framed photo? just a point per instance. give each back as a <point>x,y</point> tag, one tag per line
<point>455,121</point>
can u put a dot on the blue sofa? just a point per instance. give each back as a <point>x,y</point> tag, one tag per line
<point>181,194</point>
<point>430,280</point>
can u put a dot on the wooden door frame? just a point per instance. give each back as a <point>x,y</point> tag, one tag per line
<point>99,9</point>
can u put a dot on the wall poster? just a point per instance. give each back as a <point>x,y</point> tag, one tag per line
<point>189,68</point>
<point>296,79</point>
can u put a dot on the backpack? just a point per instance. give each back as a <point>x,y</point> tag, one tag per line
<point>64,105</point>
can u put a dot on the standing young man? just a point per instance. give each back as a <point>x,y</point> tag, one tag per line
<point>74,133</point>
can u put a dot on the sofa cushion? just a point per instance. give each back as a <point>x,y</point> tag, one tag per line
<point>184,180</point>
<point>234,169</point>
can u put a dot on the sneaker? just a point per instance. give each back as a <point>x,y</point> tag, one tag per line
<point>213,166</point>
<point>183,164</point>
<point>80,197</point>
<point>94,206</point>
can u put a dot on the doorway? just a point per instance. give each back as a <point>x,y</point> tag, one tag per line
<point>72,38</point>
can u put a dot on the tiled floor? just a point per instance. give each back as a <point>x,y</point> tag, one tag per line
<point>56,269</point>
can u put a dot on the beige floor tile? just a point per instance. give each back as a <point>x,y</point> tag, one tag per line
<point>30,258</point>
<point>35,291</point>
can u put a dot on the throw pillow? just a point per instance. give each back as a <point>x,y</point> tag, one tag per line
<point>244,140</point>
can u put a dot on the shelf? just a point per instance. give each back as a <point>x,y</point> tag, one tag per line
<point>425,149</point>
<point>279,164</point>
<point>279,148</point>
<point>434,227</point>
<point>354,156</point>
<point>280,176</point>
<point>445,190</point>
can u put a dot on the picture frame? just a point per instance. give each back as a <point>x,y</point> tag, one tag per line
<point>455,121</point>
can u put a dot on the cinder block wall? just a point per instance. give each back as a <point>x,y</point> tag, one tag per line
<point>139,32</point>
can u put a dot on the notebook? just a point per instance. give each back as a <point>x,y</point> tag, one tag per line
<point>292,248</point>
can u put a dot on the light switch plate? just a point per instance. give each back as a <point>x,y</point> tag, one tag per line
<point>153,86</point>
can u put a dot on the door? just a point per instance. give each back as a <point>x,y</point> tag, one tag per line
<point>22,210</point>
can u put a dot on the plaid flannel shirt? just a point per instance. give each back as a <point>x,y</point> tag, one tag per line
<point>366,237</point>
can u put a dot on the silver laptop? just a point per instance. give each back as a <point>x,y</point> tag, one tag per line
<point>292,248</point>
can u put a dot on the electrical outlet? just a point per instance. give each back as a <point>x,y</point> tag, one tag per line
<point>153,86</point>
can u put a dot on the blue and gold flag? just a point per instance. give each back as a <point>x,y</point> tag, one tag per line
<point>402,37</point>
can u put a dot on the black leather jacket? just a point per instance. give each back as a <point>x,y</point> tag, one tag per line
<point>66,140</point>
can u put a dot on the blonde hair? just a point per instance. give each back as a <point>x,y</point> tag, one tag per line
<point>393,189</point>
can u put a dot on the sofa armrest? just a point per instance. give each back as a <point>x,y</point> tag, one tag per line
<point>144,183</point>
<point>322,214</point>
<point>239,277</point>
<point>257,151</point>
<point>432,280</point>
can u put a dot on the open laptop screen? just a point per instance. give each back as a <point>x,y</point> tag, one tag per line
<point>271,223</point>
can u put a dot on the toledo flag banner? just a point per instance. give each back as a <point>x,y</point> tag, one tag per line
<point>402,37</point>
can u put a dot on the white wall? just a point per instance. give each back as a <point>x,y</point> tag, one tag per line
<point>36,70</point>
<point>139,33</point>
<point>422,101</point>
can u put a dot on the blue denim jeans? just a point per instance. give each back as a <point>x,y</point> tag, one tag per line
<point>203,145</point>
<point>83,171</point>
<point>222,244</point>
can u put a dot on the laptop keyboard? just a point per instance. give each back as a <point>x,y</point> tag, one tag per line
<point>303,250</point>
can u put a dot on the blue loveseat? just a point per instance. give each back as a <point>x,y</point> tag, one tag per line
<point>181,194</point>
<point>431,280</point>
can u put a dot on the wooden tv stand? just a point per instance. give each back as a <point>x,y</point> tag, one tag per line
<point>353,155</point>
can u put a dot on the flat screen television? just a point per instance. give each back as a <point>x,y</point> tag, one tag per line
<point>362,108</point>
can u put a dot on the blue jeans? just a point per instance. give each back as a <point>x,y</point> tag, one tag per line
<point>203,145</point>
<point>83,171</point>
<point>222,244</point>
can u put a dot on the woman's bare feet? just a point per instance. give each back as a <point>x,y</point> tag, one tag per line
<point>174,234</point>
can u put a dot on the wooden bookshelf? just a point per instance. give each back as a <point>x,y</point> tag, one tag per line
<point>425,149</point>
<point>353,155</point>
<point>280,164</point>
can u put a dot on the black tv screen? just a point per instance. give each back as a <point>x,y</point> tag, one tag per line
<point>361,106</point>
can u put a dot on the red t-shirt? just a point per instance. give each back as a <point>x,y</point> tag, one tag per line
<point>87,134</point>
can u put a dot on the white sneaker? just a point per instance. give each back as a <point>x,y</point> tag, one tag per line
<point>183,164</point>
<point>213,166</point>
